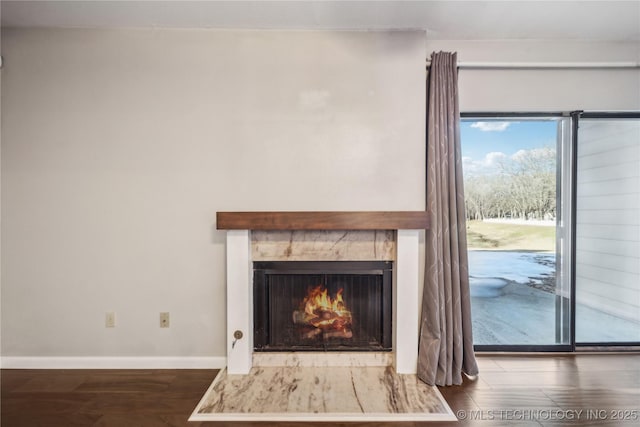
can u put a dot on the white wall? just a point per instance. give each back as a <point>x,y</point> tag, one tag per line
<point>511,90</point>
<point>120,145</point>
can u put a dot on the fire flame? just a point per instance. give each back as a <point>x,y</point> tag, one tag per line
<point>318,300</point>
<point>325,315</point>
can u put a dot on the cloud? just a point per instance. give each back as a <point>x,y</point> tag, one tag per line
<point>493,158</point>
<point>486,166</point>
<point>491,126</point>
<point>543,153</point>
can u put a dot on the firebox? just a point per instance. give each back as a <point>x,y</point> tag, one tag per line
<point>322,305</point>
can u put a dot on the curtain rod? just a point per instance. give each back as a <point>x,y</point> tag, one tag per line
<point>544,65</point>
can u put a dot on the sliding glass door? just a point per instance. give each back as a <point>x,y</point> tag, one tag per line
<point>553,229</point>
<point>607,252</point>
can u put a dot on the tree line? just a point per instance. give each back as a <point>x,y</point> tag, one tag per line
<point>523,186</point>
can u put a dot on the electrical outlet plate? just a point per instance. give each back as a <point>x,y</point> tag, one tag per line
<point>164,319</point>
<point>110,319</point>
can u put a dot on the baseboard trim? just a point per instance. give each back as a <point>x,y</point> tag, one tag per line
<point>113,362</point>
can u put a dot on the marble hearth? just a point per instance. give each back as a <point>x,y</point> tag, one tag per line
<point>321,394</point>
<point>322,236</point>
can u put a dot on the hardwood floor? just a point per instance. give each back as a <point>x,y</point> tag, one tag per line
<point>544,390</point>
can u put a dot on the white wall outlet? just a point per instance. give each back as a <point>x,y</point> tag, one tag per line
<point>110,319</point>
<point>164,319</point>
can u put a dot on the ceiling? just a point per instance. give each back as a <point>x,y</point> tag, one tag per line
<point>442,20</point>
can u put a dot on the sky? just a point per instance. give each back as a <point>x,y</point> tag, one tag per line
<point>486,142</point>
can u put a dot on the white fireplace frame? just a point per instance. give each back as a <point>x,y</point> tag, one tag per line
<point>406,303</point>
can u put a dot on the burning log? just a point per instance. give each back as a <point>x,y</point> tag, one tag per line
<point>299,317</point>
<point>345,333</point>
<point>312,333</point>
<point>319,320</point>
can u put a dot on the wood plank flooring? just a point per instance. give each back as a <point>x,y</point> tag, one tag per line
<point>511,390</point>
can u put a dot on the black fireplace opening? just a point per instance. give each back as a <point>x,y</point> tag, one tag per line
<point>322,305</point>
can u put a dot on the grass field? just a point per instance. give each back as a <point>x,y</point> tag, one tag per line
<point>510,237</point>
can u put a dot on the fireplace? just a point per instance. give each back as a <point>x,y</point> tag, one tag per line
<point>322,305</point>
<point>325,237</point>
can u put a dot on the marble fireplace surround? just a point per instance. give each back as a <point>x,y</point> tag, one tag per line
<point>322,236</point>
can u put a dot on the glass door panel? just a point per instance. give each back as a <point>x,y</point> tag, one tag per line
<point>608,231</point>
<point>516,236</point>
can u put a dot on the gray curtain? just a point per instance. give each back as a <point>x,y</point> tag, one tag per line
<point>446,341</point>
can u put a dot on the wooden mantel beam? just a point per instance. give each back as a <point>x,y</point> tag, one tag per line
<point>320,220</point>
